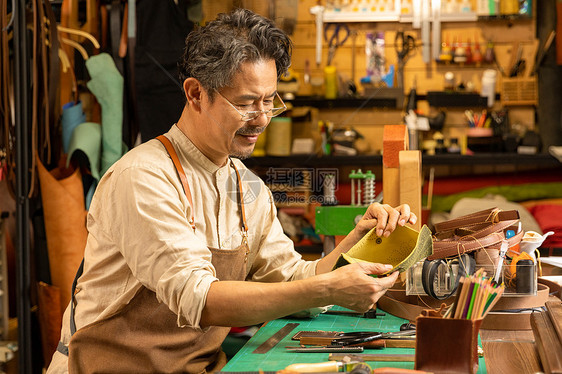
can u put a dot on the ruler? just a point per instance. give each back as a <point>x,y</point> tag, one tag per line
<point>275,338</point>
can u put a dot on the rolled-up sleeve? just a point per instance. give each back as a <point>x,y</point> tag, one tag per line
<point>276,259</point>
<point>157,241</point>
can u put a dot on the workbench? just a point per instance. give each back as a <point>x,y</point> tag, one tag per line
<point>279,357</point>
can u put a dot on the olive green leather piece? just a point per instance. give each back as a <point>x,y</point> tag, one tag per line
<point>402,249</point>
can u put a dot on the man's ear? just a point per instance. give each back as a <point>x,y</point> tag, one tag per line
<point>192,89</point>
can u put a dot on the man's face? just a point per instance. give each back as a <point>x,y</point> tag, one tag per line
<point>253,88</point>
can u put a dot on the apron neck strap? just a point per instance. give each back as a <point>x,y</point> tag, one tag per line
<point>172,152</point>
<point>241,202</point>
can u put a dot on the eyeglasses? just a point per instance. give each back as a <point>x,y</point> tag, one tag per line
<point>253,114</point>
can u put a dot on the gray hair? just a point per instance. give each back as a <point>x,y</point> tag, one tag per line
<point>214,53</point>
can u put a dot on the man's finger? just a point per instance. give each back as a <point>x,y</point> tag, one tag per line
<point>387,282</point>
<point>413,218</point>
<point>382,221</point>
<point>393,216</point>
<point>375,268</point>
<point>404,214</point>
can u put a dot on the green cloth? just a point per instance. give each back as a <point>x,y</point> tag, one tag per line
<point>522,192</point>
<point>86,137</point>
<point>107,85</point>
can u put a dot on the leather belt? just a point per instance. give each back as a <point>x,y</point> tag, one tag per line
<point>483,229</point>
<point>396,303</point>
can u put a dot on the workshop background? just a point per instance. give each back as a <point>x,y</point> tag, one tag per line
<point>477,83</point>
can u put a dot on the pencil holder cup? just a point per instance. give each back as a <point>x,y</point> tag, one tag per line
<point>446,345</point>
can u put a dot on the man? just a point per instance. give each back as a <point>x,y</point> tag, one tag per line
<point>173,260</point>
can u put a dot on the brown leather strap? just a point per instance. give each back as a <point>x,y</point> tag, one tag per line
<point>477,218</point>
<point>181,173</point>
<point>488,237</point>
<point>483,229</point>
<point>171,150</point>
<point>53,112</point>
<point>399,308</point>
<point>241,203</point>
<point>555,288</point>
<point>123,39</point>
<point>6,93</point>
<point>397,303</point>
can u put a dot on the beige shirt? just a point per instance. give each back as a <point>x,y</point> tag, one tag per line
<point>139,234</point>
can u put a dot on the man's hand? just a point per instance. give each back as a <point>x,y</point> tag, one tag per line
<point>384,218</point>
<point>352,287</point>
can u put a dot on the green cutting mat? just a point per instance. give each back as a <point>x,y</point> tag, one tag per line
<point>278,357</point>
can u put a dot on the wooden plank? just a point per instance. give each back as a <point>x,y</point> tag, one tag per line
<point>411,183</point>
<point>391,186</point>
<point>554,310</point>
<point>547,343</point>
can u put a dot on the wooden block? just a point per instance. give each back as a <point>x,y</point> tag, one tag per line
<point>395,139</point>
<point>401,343</point>
<point>554,310</point>
<point>391,186</point>
<point>547,343</point>
<point>411,183</point>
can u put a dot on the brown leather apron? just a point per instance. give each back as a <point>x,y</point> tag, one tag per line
<point>144,337</point>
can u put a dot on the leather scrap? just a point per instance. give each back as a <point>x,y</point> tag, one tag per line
<point>402,249</point>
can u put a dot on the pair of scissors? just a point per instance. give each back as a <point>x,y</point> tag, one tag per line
<point>339,34</point>
<point>358,337</point>
<point>404,44</point>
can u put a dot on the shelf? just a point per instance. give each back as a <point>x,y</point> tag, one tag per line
<point>335,16</point>
<point>544,159</point>
<point>508,17</point>
<point>346,16</point>
<point>305,161</point>
<point>455,99</point>
<point>359,16</point>
<point>445,17</point>
<point>382,99</point>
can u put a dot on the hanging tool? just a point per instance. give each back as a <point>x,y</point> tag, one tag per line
<point>335,35</point>
<point>436,32</point>
<point>306,76</point>
<point>318,11</point>
<point>404,44</point>
<point>351,86</point>
<point>543,52</point>
<point>426,46</point>
<point>517,63</point>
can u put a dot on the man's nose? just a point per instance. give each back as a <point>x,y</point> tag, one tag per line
<point>261,120</point>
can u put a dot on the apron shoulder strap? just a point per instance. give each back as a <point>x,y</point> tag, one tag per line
<point>241,203</point>
<point>172,152</point>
